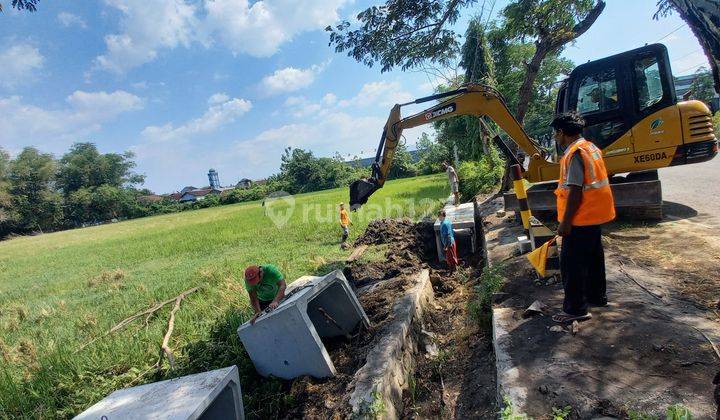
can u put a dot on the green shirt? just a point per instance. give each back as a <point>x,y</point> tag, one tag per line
<point>267,288</point>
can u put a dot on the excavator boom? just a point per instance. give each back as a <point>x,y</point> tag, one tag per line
<point>477,100</point>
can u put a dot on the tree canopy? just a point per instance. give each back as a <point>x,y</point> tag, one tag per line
<point>702,87</point>
<point>401,33</point>
<point>29,5</point>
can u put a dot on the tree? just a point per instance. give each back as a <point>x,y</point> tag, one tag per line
<point>29,5</point>
<point>301,171</point>
<point>702,87</point>
<point>551,24</point>
<point>702,18</point>
<point>410,34</point>
<point>476,58</point>
<point>431,155</point>
<point>402,166</point>
<point>85,167</point>
<point>31,177</point>
<point>8,217</point>
<point>401,33</point>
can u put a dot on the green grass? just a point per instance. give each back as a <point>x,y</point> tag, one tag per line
<point>60,290</point>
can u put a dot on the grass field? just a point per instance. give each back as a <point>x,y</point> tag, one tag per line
<point>61,290</point>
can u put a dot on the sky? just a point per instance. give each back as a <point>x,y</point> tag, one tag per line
<point>189,85</point>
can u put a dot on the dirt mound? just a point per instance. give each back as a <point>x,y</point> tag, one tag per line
<point>403,233</point>
<point>412,247</point>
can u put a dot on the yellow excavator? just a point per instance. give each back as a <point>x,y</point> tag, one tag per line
<point>632,114</point>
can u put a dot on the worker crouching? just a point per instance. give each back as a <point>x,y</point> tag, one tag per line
<point>265,285</point>
<point>584,203</point>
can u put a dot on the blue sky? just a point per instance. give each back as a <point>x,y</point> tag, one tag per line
<point>192,84</point>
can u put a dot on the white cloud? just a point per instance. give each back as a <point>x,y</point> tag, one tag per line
<point>54,129</point>
<point>289,79</point>
<point>300,107</point>
<point>219,114</point>
<point>218,98</point>
<point>19,63</point>
<point>258,28</point>
<point>169,24</point>
<point>329,99</point>
<point>385,94</point>
<point>67,19</point>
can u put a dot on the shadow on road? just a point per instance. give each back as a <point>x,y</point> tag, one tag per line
<point>678,210</point>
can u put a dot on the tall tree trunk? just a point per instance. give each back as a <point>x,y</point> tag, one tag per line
<point>526,90</point>
<point>703,17</point>
<point>543,46</point>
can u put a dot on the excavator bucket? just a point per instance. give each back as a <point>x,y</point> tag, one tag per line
<point>360,191</point>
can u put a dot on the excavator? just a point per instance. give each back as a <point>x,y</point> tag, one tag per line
<point>632,114</point>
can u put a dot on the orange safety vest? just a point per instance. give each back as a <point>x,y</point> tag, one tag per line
<point>597,205</point>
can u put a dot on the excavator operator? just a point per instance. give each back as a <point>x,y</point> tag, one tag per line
<point>584,203</point>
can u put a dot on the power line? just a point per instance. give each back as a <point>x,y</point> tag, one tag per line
<point>673,31</point>
<point>695,66</point>
<point>691,52</point>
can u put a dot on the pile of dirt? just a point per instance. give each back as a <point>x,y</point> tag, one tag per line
<point>412,248</point>
<point>419,237</point>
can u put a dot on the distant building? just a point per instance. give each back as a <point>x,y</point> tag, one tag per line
<point>244,183</point>
<point>214,179</point>
<point>197,194</point>
<point>683,84</point>
<point>190,193</point>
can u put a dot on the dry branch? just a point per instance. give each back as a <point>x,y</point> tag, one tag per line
<point>164,347</point>
<point>148,312</point>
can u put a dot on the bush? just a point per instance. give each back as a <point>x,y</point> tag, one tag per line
<point>481,176</point>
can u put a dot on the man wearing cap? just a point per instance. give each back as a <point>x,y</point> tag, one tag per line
<point>266,286</point>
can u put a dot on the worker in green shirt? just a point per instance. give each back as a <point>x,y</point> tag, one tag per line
<point>266,286</point>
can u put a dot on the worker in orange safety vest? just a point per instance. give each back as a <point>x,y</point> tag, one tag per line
<point>584,203</point>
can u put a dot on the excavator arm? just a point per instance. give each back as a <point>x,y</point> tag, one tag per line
<point>477,100</point>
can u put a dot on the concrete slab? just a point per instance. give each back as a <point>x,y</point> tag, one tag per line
<point>287,341</point>
<point>208,395</point>
<point>383,378</point>
<point>462,218</point>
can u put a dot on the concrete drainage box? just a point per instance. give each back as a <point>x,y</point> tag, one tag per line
<point>203,396</point>
<point>287,342</point>
<point>462,218</point>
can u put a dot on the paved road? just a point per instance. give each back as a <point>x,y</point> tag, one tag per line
<point>696,186</point>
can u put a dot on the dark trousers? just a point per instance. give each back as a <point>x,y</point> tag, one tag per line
<point>582,265</point>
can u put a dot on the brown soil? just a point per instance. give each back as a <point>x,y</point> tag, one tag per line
<point>463,373</point>
<point>380,284</point>
<point>458,382</point>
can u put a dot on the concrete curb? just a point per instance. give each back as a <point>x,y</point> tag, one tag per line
<point>379,384</point>
<point>506,372</point>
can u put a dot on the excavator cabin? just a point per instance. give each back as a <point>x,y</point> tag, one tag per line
<point>632,113</point>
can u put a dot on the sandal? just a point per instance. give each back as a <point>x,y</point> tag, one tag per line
<point>565,318</point>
